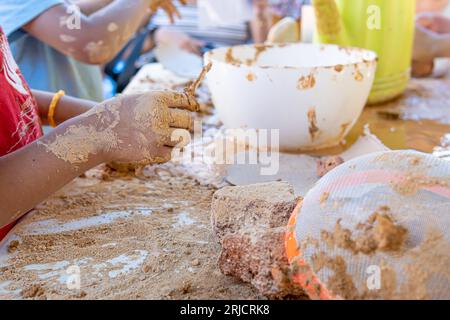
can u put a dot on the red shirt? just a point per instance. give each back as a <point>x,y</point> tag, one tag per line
<point>19,120</point>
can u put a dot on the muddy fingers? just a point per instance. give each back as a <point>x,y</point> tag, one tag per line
<point>173,137</point>
<point>180,100</point>
<point>181,119</point>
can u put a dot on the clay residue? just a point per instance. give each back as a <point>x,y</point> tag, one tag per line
<point>112,27</point>
<point>230,59</point>
<point>13,245</point>
<point>97,51</point>
<point>250,77</point>
<point>340,282</point>
<point>430,258</point>
<point>412,183</point>
<point>34,291</point>
<point>326,164</point>
<point>181,262</point>
<point>259,49</point>
<point>379,233</point>
<point>312,119</point>
<point>306,82</point>
<point>358,75</point>
<point>339,68</point>
<point>324,197</point>
<point>79,142</point>
<point>66,38</point>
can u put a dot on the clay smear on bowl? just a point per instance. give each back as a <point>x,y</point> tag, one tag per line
<point>339,68</point>
<point>250,77</point>
<point>358,75</point>
<point>312,119</point>
<point>230,59</point>
<point>306,82</point>
<point>259,49</point>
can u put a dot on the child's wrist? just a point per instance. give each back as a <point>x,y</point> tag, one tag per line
<point>89,151</point>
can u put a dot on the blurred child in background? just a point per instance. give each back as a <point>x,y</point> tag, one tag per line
<point>432,35</point>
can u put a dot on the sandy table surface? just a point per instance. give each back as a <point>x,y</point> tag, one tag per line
<point>113,236</point>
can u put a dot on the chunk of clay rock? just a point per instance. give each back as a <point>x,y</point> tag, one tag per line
<point>250,224</point>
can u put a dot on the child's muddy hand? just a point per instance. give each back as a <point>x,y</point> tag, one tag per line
<point>148,126</point>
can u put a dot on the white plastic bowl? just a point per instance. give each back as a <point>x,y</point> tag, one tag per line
<point>312,93</point>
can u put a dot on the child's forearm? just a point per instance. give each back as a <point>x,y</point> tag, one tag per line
<point>68,107</point>
<point>30,175</point>
<point>97,38</point>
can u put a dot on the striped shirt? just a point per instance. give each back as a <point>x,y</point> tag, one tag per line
<point>220,35</point>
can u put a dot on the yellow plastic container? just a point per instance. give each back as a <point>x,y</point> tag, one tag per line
<point>384,26</point>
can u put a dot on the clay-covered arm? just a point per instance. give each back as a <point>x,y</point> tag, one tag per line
<point>67,108</point>
<point>134,128</point>
<point>93,39</point>
<point>31,174</point>
<point>97,38</point>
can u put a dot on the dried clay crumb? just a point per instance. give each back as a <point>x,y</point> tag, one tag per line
<point>34,291</point>
<point>379,233</point>
<point>327,164</point>
<point>13,246</point>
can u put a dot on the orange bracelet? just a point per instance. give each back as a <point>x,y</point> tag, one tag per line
<point>52,108</point>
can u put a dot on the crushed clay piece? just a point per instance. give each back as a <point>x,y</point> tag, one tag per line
<point>327,164</point>
<point>13,245</point>
<point>250,223</point>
